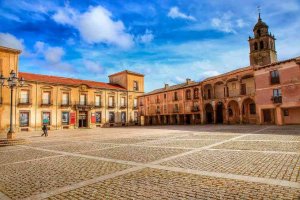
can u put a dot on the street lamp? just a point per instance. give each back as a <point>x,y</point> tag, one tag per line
<point>12,82</point>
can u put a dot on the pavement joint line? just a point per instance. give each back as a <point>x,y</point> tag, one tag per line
<point>24,161</point>
<point>4,196</point>
<point>230,176</point>
<point>83,183</point>
<point>257,151</point>
<point>206,147</point>
<point>163,147</point>
<point>286,141</point>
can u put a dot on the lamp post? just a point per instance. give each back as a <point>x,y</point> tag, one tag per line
<point>12,82</point>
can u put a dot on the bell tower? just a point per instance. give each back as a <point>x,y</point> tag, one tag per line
<point>262,45</point>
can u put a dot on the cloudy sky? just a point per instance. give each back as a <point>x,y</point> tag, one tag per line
<point>167,40</point>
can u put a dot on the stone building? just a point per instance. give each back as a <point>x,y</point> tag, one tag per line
<point>67,103</point>
<point>266,92</point>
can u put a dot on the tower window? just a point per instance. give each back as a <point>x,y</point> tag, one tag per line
<point>259,33</point>
<point>255,46</point>
<point>261,44</point>
<point>275,77</point>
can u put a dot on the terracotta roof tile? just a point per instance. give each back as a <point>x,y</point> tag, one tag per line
<point>68,81</point>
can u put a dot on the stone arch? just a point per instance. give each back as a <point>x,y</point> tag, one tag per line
<point>233,110</point>
<point>209,113</point>
<point>249,111</point>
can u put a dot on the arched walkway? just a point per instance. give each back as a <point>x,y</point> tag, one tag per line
<point>209,113</point>
<point>233,112</point>
<point>219,113</point>
<point>249,111</point>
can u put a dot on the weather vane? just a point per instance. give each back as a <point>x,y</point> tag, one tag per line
<point>258,10</point>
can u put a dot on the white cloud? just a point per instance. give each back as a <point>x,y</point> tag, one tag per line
<point>226,23</point>
<point>54,54</point>
<point>96,26</point>
<point>9,40</point>
<point>174,12</point>
<point>65,16</point>
<point>39,47</point>
<point>93,66</point>
<point>146,38</point>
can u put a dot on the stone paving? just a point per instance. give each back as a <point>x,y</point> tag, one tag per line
<point>159,162</point>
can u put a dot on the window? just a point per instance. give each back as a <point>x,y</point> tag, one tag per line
<point>165,96</point>
<point>65,98</point>
<point>233,85</point>
<point>157,99</point>
<point>188,94</point>
<point>111,101</point>
<point>123,103</point>
<point>135,86</point>
<point>111,117</point>
<point>285,112</point>
<point>123,117</point>
<point>165,108</point>
<point>24,96</point>
<point>196,93</point>
<point>277,92</point>
<point>98,117</point>
<point>277,98</point>
<point>97,100</point>
<point>255,46</point>
<point>208,94</point>
<point>258,32</point>
<point>176,108</point>
<point>65,118</point>
<point>261,45</point>
<point>175,96</point>
<point>46,118</point>
<point>24,119</point>
<point>252,108</point>
<point>135,103</point>
<point>46,98</point>
<point>243,89</point>
<point>275,77</point>
<point>82,100</point>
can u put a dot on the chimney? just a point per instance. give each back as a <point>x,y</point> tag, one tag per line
<point>166,86</point>
<point>188,81</point>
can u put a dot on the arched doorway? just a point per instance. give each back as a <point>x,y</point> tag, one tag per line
<point>249,111</point>
<point>233,112</point>
<point>209,113</point>
<point>219,113</point>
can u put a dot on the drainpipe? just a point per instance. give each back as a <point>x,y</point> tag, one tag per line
<point>36,104</point>
<point>56,106</point>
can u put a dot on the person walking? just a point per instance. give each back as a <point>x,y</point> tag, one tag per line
<point>45,130</point>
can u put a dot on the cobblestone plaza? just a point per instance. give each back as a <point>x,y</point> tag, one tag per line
<point>158,162</point>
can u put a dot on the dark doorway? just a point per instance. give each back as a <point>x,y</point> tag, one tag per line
<point>123,118</point>
<point>82,123</point>
<point>267,116</point>
<point>220,113</point>
<point>167,120</point>
<point>111,117</point>
<point>209,114</point>
<point>175,120</point>
<point>188,119</point>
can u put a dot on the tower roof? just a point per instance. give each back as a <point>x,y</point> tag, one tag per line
<point>260,24</point>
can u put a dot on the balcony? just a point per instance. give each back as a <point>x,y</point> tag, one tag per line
<point>175,110</point>
<point>175,98</point>
<point>195,109</point>
<point>84,105</point>
<point>275,80</point>
<point>123,106</point>
<point>99,105</point>
<point>24,102</point>
<point>46,102</point>
<point>65,104</point>
<point>277,99</point>
<point>157,101</point>
<point>188,98</point>
<point>111,105</point>
<point>158,111</point>
<point>135,107</point>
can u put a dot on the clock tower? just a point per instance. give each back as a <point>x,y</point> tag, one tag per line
<point>262,46</point>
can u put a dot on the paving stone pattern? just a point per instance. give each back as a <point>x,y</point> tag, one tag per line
<point>157,162</point>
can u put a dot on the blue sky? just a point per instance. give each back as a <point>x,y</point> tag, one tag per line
<point>168,41</point>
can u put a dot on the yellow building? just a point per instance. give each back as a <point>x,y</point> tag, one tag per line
<point>65,103</point>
